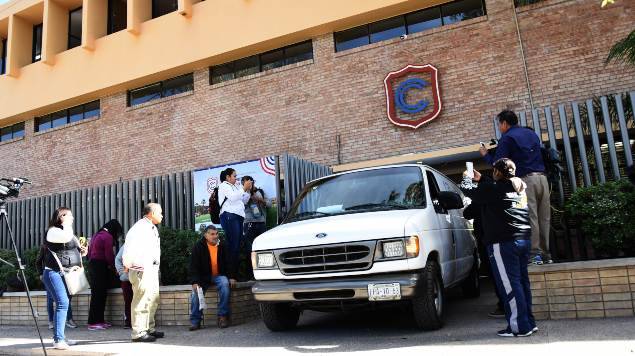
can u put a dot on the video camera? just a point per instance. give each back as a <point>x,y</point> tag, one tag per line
<point>10,187</point>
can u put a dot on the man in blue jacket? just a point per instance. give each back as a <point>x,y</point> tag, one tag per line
<point>522,146</point>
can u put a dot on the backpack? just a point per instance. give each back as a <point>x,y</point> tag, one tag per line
<point>553,169</point>
<point>214,207</point>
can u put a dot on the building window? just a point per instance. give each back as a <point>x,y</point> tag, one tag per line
<point>66,116</point>
<point>37,43</point>
<point>11,132</point>
<point>162,7</point>
<point>75,28</point>
<point>260,62</point>
<point>409,23</point>
<point>117,15</point>
<point>3,59</point>
<point>181,84</point>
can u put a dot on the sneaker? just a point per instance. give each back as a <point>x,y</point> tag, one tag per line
<point>62,345</point>
<point>548,261</point>
<point>71,324</point>
<point>94,327</point>
<point>535,329</point>
<point>509,333</point>
<point>195,327</point>
<point>51,325</point>
<point>70,342</point>
<point>497,313</point>
<point>536,260</point>
<point>106,325</point>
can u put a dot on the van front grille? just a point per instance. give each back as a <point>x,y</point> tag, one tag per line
<point>327,258</point>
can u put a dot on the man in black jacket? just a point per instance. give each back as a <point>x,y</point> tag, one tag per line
<point>507,234</point>
<point>209,264</point>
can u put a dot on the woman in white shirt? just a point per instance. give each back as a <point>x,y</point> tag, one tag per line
<point>65,251</point>
<point>232,200</point>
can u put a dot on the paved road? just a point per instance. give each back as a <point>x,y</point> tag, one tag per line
<point>383,332</point>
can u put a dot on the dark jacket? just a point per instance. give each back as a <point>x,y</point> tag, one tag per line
<point>67,253</point>
<point>200,270</point>
<point>505,215</point>
<point>522,146</point>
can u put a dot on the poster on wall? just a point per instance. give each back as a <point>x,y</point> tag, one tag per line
<point>262,170</point>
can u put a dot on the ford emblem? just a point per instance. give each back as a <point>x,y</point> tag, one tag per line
<point>320,235</point>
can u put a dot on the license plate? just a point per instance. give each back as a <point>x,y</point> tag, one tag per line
<point>384,291</point>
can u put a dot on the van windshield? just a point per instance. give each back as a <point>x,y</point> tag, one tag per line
<point>373,190</point>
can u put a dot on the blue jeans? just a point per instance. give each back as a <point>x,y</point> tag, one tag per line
<point>509,266</point>
<point>233,227</point>
<point>222,287</point>
<point>54,284</point>
<point>51,311</point>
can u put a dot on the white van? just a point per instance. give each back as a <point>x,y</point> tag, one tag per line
<point>377,235</point>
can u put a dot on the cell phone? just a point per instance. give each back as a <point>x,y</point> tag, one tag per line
<point>470,169</point>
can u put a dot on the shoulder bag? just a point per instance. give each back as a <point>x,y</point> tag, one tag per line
<point>75,277</point>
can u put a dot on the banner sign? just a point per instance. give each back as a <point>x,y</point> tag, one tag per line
<point>262,170</point>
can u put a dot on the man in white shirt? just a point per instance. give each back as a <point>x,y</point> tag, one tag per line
<point>141,256</point>
<point>232,200</point>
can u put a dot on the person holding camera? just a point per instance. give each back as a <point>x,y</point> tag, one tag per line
<point>102,264</point>
<point>208,266</point>
<point>65,251</point>
<point>232,200</point>
<point>255,215</point>
<point>522,146</point>
<point>507,236</point>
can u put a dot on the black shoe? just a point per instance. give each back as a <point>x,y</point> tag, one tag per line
<point>145,338</point>
<point>157,334</point>
<point>508,333</point>
<point>498,313</point>
<point>195,327</point>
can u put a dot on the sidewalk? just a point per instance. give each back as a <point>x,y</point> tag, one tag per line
<point>467,331</point>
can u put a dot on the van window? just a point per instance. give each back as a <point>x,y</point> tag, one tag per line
<point>434,193</point>
<point>391,188</point>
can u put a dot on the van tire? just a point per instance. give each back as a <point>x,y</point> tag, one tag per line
<point>471,286</point>
<point>279,316</point>
<point>427,305</point>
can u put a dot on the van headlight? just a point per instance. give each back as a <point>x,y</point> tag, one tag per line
<point>263,260</point>
<point>389,249</point>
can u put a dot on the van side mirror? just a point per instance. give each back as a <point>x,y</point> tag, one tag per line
<point>450,200</point>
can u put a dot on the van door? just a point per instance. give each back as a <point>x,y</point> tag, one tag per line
<point>464,245</point>
<point>447,252</point>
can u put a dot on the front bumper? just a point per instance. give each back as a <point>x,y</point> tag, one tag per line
<point>324,289</point>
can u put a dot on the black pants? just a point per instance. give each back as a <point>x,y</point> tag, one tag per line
<point>99,281</point>
<point>252,230</point>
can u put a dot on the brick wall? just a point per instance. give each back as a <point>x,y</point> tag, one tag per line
<point>591,289</point>
<point>300,109</point>
<point>174,308</point>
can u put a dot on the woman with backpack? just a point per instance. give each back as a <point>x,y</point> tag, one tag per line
<point>232,200</point>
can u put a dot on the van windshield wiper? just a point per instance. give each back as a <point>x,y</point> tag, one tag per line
<point>377,205</point>
<point>308,214</point>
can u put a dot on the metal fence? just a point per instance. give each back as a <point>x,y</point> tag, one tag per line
<point>297,172</point>
<point>93,207</point>
<point>594,139</point>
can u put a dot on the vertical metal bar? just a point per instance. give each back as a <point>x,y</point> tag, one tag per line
<point>125,209</point>
<point>189,200</point>
<point>596,141</point>
<point>132,202</point>
<point>96,213</point>
<point>564,128</point>
<point>286,182</point>
<point>84,206</point>
<point>138,200</point>
<point>523,119</point>
<point>172,212</point>
<point>626,142</point>
<point>535,118</point>
<point>608,129</point>
<point>36,221</point>
<point>278,197</point>
<point>100,207</point>
<point>586,173</point>
<point>179,201</point>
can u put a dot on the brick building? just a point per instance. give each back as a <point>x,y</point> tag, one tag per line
<point>89,115</point>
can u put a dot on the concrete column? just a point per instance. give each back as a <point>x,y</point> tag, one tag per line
<point>19,49</point>
<point>94,22</point>
<point>185,7</point>
<point>54,32</point>
<point>138,12</point>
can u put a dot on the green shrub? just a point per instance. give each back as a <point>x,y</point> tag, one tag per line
<point>9,275</point>
<point>607,216</point>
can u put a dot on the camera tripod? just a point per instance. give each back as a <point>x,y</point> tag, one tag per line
<point>3,217</point>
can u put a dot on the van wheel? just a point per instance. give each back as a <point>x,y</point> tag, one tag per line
<point>279,316</point>
<point>427,306</point>
<point>471,286</point>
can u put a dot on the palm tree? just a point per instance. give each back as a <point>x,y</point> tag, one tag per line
<point>624,50</point>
